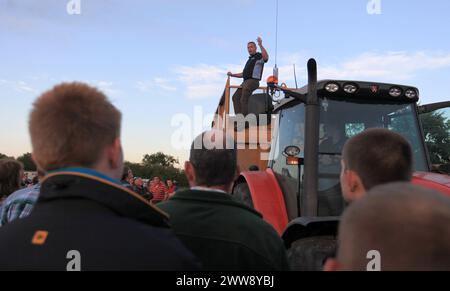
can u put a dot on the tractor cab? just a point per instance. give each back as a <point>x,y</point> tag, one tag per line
<point>295,137</point>
<point>346,108</point>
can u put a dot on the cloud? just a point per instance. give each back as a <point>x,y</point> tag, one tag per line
<point>200,73</point>
<point>204,91</point>
<point>383,66</point>
<point>106,87</point>
<point>24,87</point>
<point>207,81</point>
<point>156,83</point>
<point>203,81</point>
<point>19,86</point>
<point>386,66</point>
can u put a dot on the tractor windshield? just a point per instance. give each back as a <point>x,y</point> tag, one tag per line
<point>341,120</point>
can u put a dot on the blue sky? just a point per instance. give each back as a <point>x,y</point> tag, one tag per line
<point>157,58</point>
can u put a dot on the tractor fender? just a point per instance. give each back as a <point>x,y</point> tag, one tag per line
<point>304,227</point>
<point>438,182</point>
<point>267,197</point>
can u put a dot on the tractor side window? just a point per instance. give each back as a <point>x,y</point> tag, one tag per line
<point>292,121</point>
<point>403,121</point>
<point>291,133</point>
<point>436,127</point>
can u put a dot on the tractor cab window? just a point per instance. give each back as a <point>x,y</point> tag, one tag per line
<point>292,121</point>
<point>339,121</point>
<point>342,120</point>
<point>436,127</point>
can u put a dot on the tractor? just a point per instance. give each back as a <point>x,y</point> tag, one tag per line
<point>296,187</point>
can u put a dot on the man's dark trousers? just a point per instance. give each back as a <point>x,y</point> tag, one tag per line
<point>242,96</point>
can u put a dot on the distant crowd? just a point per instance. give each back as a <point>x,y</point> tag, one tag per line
<point>86,201</point>
<point>154,190</point>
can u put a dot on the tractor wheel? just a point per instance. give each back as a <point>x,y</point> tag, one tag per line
<point>311,253</point>
<point>241,192</point>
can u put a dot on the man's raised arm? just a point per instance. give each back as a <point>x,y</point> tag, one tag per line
<point>264,53</point>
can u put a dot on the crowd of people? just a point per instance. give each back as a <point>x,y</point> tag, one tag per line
<point>86,201</point>
<point>154,190</point>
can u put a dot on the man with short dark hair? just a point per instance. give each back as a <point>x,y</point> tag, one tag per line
<point>252,74</point>
<point>407,226</point>
<point>374,157</point>
<point>82,206</point>
<point>225,234</point>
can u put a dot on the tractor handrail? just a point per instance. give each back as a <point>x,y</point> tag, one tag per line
<point>223,108</point>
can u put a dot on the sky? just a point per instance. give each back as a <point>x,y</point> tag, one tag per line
<point>159,59</point>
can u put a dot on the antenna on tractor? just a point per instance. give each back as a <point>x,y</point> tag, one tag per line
<point>275,69</point>
<point>295,77</point>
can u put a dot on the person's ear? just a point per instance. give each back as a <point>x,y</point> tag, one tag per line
<point>345,182</point>
<point>332,265</point>
<point>355,185</point>
<point>115,154</point>
<point>189,171</point>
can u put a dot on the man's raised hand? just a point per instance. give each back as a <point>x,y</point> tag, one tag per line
<point>259,40</point>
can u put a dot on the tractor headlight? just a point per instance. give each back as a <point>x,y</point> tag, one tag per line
<point>411,93</point>
<point>292,151</point>
<point>350,88</point>
<point>332,87</point>
<point>395,92</point>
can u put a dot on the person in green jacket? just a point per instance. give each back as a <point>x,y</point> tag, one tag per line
<point>223,233</point>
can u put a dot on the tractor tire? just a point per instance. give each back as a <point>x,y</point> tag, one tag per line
<point>311,253</point>
<point>241,193</point>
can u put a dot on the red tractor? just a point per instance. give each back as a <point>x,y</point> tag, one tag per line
<point>297,189</point>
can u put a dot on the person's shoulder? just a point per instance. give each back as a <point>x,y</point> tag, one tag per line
<point>173,203</point>
<point>163,243</point>
<point>21,195</point>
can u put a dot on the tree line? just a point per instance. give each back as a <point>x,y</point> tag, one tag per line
<point>158,164</point>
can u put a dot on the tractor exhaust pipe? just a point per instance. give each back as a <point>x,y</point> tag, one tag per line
<point>309,199</point>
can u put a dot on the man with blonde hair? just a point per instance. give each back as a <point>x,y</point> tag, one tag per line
<point>84,218</point>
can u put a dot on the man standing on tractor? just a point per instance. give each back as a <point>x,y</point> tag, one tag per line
<point>252,74</point>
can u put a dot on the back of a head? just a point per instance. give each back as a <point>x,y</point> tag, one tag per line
<point>408,225</point>
<point>379,156</point>
<point>10,176</point>
<point>71,125</point>
<point>214,158</point>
